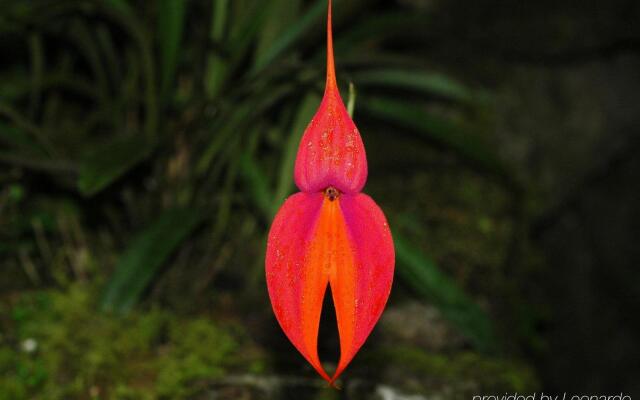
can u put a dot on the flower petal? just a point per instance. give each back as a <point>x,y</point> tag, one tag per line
<point>331,152</point>
<point>297,283</point>
<point>345,242</point>
<point>360,290</point>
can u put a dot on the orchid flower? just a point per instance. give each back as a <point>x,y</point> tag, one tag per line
<point>329,234</point>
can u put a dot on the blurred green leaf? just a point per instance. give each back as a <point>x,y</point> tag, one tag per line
<point>219,19</point>
<point>105,41</point>
<point>416,80</point>
<point>122,6</point>
<point>37,71</point>
<point>282,14</point>
<point>171,17</point>
<point>307,109</point>
<point>351,101</point>
<point>15,193</point>
<point>249,16</point>
<point>148,251</point>
<point>216,66</point>
<point>25,125</point>
<point>437,129</point>
<point>83,36</point>
<point>389,24</point>
<point>223,214</point>
<point>143,56</point>
<point>14,83</point>
<point>291,35</point>
<point>19,140</point>
<point>105,164</point>
<point>221,137</point>
<point>257,185</point>
<point>424,277</point>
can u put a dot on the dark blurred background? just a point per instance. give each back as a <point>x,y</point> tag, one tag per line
<point>146,145</point>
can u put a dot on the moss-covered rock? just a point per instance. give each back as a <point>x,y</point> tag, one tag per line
<point>55,345</point>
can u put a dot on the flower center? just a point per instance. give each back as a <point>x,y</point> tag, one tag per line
<point>332,193</point>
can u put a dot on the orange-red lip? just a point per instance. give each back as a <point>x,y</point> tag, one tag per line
<point>315,242</point>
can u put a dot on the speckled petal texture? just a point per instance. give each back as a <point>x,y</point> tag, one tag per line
<point>372,246</point>
<point>290,278</point>
<point>331,151</point>
<point>345,243</point>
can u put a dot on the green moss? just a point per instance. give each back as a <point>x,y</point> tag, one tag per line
<point>199,352</point>
<point>57,346</point>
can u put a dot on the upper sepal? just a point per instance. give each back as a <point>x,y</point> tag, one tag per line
<point>331,151</point>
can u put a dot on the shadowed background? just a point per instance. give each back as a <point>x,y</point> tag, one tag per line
<point>146,146</point>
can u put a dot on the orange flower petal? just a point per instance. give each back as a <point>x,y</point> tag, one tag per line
<point>315,241</point>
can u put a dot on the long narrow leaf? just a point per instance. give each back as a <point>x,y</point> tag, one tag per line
<point>37,72</point>
<point>121,6</point>
<point>419,81</point>
<point>221,136</point>
<point>390,24</point>
<point>257,184</point>
<point>351,100</point>
<point>18,140</point>
<point>171,15</point>
<point>83,36</point>
<point>291,35</point>
<point>147,253</point>
<point>216,66</point>
<point>437,129</point>
<point>307,108</point>
<point>282,14</point>
<point>422,274</point>
<point>107,163</point>
<point>249,16</point>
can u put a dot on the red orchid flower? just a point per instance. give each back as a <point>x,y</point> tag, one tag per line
<point>329,234</point>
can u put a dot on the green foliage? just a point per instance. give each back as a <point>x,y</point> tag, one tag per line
<point>426,83</point>
<point>437,129</point>
<point>171,20</point>
<point>57,347</point>
<point>105,164</point>
<point>292,34</point>
<point>147,252</point>
<point>307,109</point>
<point>423,275</point>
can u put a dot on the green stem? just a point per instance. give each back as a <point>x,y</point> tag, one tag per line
<point>351,101</point>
